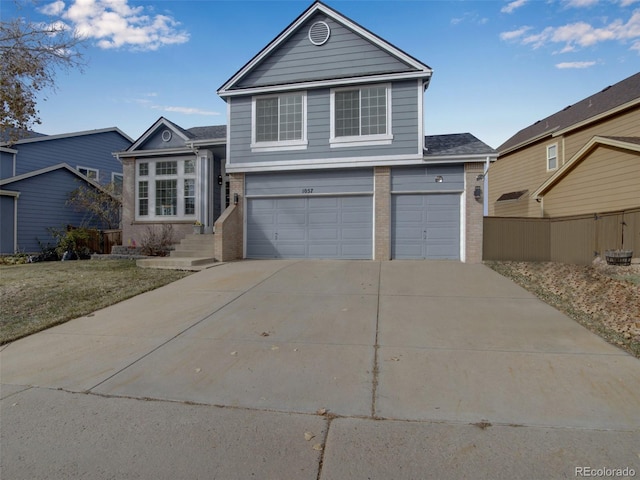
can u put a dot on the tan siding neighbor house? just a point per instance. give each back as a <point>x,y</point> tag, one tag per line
<point>584,159</point>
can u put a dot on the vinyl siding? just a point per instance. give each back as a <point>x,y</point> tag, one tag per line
<point>42,204</point>
<point>155,140</point>
<point>405,100</point>
<point>7,212</point>
<point>91,151</point>
<point>6,165</point>
<point>422,179</point>
<point>522,170</point>
<point>606,180</point>
<point>345,54</point>
<point>319,181</point>
<point>626,124</point>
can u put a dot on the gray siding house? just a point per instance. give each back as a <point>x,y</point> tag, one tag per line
<point>327,156</point>
<point>37,175</point>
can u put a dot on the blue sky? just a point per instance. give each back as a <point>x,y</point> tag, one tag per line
<point>499,66</point>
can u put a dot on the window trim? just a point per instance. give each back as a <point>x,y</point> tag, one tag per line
<point>279,145</point>
<point>360,140</point>
<point>550,169</point>
<point>151,177</point>
<point>89,169</point>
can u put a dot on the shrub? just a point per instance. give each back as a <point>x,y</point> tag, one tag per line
<point>156,243</point>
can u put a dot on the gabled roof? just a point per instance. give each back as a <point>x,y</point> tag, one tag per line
<point>611,99</point>
<point>64,166</point>
<point>418,69</point>
<point>45,138</point>
<point>196,136</point>
<point>455,144</point>
<point>631,144</point>
<point>191,135</point>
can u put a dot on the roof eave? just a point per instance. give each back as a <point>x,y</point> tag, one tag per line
<point>326,83</point>
<point>595,118</point>
<point>573,161</point>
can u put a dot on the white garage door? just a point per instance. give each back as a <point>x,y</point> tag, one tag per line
<point>426,226</point>
<point>310,227</point>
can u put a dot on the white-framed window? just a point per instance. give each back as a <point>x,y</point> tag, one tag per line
<point>166,189</point>
<point>279,122</point>
<point>90,173</point>
<point>552,157</point>
<point>361,116</point>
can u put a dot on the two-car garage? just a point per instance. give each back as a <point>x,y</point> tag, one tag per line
<point>324,214</point>
<point>329,213</point>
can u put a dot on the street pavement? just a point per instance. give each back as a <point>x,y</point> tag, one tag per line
<point>288,369</point>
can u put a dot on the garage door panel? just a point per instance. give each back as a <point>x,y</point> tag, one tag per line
<point>323,218</point>
<point>312,227</point>
<point>324,234</point>
<point>425,226</point>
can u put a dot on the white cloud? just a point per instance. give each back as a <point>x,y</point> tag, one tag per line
<point>115,24</point>
<point>512,35</point>
<point>564,65</point>
<point>512,6</point>
<point>626,3</point>
<point>580,3</point>
<point>185,110</point>
<point>54,9</point>
<point>580,34</point>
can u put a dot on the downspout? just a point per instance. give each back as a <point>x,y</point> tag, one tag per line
<point>485,187</point>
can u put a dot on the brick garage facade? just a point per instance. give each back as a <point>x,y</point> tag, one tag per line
<point>473,212</point>
<point>382,213</point>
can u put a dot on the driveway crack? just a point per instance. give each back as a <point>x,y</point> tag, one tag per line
<point>376,347</point>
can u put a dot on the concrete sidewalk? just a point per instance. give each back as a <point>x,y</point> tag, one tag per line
<point>425,369</point>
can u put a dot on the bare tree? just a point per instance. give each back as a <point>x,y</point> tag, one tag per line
<point>30,55</point>
<point>102,205</point>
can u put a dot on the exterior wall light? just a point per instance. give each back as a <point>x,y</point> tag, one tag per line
<point>477,193</point>
<point>439,179</point>
<point>235,198</point>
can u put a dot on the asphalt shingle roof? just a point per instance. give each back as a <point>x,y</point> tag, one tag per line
<point>603,101</point>
<point>455,144</point>
<point>212,131</point>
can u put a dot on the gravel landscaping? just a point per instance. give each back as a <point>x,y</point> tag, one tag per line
<point>603,298</point>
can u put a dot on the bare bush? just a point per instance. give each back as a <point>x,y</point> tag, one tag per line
<point>157,242</point>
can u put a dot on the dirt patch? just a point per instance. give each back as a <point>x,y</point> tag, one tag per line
<point>603,298</point>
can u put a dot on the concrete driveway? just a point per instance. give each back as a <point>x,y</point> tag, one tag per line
<point>425,370</point>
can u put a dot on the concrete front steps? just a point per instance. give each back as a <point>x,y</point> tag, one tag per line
<point>194,252</point>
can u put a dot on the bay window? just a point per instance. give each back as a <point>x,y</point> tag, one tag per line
<point>169,187</point>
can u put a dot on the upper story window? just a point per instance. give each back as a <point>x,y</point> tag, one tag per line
<point>279,122</point>
<point>361,116</point>
<point>552,156</point>
<point>166,189</point>
<point>90,173</point>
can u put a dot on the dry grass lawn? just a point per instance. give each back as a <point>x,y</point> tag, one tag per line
<point>603,298</point>
<point>36,296</point>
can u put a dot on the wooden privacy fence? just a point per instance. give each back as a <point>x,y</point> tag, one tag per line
<point>577,239</point>
<point>100,241</point>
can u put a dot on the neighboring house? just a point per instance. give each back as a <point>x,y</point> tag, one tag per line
<point>173,177</point>
<point>327,156</point>
<point>37,175</point>
<point>584,159</point>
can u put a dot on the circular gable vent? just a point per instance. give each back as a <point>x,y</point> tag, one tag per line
<point>319,33</point>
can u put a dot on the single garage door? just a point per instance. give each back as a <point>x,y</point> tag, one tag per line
<point>426,226</point>
<point>425,211</point>
<point>318,224</point>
